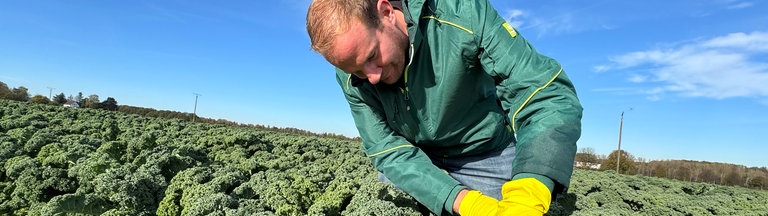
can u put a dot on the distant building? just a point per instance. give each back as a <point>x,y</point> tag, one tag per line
<point>586,165</point>
<point>72,104</point>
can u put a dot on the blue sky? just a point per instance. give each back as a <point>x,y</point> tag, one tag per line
<point>690,75</point>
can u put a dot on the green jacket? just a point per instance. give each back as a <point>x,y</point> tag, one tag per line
<point>470,74</point>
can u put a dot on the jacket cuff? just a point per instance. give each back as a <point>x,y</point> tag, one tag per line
<point>448,206</point>
<point>543,179</point>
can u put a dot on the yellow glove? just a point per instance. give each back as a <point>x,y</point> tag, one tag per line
<point>525,196</point>
<point>475,203</point>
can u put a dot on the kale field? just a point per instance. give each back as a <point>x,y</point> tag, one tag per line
<point>63,161</point>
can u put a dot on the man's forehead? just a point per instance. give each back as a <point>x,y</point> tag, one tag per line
<point>349,46</point>
<point>345,50</point>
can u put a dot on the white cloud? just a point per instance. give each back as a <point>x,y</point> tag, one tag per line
<point>543,25</point>
<point>637,78</point>
<point>513,13</point>
<point>756,41</point>
<point>514,17</point>
<point>620,91</point>
<point>721,67</point>
<point>734,4</point>
<point>601,68</point>
<point>653,98</point>
<point>607,27</point>
<point>740,5</point>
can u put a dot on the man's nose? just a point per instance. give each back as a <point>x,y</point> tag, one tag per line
<point>372,72</point>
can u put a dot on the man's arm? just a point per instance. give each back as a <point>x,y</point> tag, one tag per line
<point>540,99</point>
<point>399,160</point>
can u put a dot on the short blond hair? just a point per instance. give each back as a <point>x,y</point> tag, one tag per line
<point>326,19</point>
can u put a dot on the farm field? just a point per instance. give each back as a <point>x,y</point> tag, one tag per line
<point>63,161</point>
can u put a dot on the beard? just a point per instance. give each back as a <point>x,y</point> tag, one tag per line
<point>397,68</point>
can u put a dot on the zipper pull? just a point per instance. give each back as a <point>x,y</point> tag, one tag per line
<point>407,104</point>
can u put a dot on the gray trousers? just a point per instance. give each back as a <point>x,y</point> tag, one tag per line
<point>486,173</point>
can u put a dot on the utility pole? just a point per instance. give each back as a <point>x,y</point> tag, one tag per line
<point>618,153</point>
<point>50,93</point>
<point>194,113</point>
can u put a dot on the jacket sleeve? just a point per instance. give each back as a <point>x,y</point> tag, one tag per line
<point>404,164</point>
<point>539,98</point>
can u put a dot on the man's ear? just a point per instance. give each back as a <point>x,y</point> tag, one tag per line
<point>386,11</point>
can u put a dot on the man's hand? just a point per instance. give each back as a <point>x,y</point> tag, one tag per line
<point>472,202</point>
<point>525,196</point>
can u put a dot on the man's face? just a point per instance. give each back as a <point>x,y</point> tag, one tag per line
<point>373,53</point>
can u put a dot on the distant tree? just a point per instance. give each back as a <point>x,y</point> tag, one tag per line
<point>643,167</point>
<point>39,99</point>
<point>759,182</point>
<point>20,94</point>
<point>722,170</point>
<point>59,99</point>
<point>696,170</point>
<point>683,173</point>
<point>91,102</point>
<point>587,155</point>
<point>154,113</point>
<point>709,176</point>
<point>79,98</point>
<point>660,170</point>
<point>602,158</point>
<point>627,163</point>
<point>109,104</point>
<point>732,178</point>
<point>5,93</point>
<point>756,178</point>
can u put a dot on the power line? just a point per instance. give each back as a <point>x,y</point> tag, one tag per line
<point>194,113</point>
<point>50,93</point>
<point>618,153</point>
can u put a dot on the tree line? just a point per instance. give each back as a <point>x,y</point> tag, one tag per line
<point>18,94</point>
<point>169,114</point>
<point>685,170</point>
<point>92,101</point>
<point>21,93</point>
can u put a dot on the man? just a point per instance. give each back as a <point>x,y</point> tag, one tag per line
<point>453,106</point>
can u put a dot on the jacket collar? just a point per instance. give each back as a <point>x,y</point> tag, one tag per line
<point>413,11</point>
